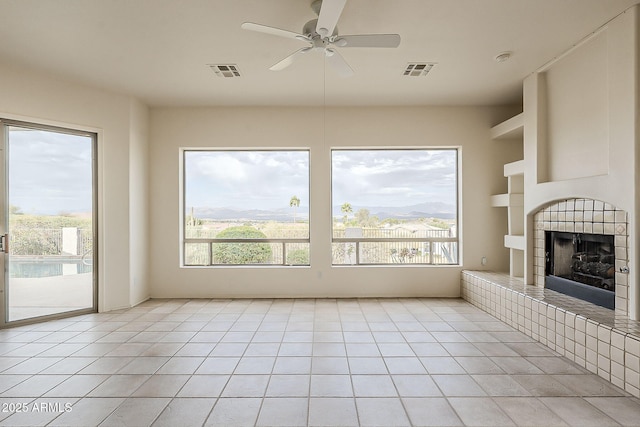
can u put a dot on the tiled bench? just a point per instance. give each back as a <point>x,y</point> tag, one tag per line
<point>589,335</point>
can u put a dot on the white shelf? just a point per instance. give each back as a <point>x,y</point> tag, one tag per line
<point>514,242</point>
<point>507,200</point>
<point>512,130</point>
<point>509,129</point>
<point>514,168</point>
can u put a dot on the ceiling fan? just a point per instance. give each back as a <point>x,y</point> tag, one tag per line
<point>322,35</point>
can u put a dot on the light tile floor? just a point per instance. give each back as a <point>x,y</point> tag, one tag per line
<point>296,362</point>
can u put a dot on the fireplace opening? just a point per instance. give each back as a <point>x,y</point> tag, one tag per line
<point>582,266</point>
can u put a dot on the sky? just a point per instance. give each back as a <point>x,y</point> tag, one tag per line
<point>49,173</point>
<point>268,179</point>
<point>246,179</point>
<point>393,178</point>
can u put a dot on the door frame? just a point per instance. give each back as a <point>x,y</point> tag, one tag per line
<point>5,123</point>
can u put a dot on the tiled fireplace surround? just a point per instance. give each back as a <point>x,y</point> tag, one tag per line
<point>603,341</point>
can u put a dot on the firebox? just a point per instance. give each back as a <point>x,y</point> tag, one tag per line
<point>582,266</point>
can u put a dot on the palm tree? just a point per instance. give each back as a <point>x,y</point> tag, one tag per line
<point>346,210</point>
<point>294,203</point>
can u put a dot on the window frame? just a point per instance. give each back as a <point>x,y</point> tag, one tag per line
<point>357,241</point>
<point>211,241</point>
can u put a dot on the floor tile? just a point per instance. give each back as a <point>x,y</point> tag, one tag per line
<point>144,365</point>
<point>288,386</point>
<point>404,365</point>
<point>106,365</point>
<point>246,386</point>
<point>181,365</point>
<point>255,365</point>
<point>282,412</point>
<point>203,386</point>
<point>185,412</point>
<point>362,350</point>
<point>237,412</point>
<point>442,365</point>
<point>332,411</point>
<point>395,349</point>
<point>381,412</point>
<point>480,412</point>
<point>527,411</point>
<point>500,385</point>
<point>516,365</point>
<point>35,386</point>
<point>432,412</point>
<point>292,365</point>
<point>331,386</point>
<point>576,411</point>
<point>623,410</point>
<point>543,385</point>
<point>318,362</point>
<point>329,365</point>
<point>556,365</point>
<point>367,365</point>
<point>478,365</point>
<point>69,365</point>
<point>415,386</point>
<point>77,386</point>
<point>136,412</point>
<point>373,386</point>
<point>588,385</point>
<point>218,365</point>
<point>118,386</point>
<point>89,411</point>
<point>161,386</point>
<point>458,385</point>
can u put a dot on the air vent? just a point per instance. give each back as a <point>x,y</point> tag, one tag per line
<point>225,70</point>
<point>416,69</point>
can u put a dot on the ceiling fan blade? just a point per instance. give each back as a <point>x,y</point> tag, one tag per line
<point>289,59</point>
<point>368,40</point>
<point>328,18</point>
<point>273,31</point>
<point>338,63</point>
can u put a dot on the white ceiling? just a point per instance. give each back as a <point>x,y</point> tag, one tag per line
<point>158,50</point>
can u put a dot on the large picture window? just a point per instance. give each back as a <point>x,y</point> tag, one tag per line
<point>246,207</point>
<point>394,206</point>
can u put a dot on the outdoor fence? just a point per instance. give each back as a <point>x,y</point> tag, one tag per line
<point>353,246</point>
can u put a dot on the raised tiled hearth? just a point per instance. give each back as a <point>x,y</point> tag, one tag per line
<point>585,216</point>
<point>598,339</point>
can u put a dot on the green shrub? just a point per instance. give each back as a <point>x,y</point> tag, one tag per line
<point>241,253</point>
<point>298,257</point>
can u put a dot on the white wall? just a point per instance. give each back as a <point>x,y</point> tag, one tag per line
<point>468,128</point>
<point>139,202</point>
<point>37,97</point>
<point>556,119</point>
<point>578,112</point>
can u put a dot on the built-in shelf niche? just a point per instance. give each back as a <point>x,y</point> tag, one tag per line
<point>513,130</point>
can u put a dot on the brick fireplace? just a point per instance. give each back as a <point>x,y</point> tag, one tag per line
<point>590,217</point>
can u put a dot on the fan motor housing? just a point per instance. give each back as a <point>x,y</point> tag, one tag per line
<point>310,29</point>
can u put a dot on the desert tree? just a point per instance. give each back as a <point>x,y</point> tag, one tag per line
<point>294,203</point>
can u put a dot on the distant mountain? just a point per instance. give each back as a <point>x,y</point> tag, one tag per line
<point>281,215</point>
<point>421,210</point>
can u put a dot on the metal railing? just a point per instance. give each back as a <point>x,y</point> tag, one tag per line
<point>278,247</point>
<point>426,251</point>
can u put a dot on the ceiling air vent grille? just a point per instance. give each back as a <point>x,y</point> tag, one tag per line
<point>416,69</point>
<point>225,70</point>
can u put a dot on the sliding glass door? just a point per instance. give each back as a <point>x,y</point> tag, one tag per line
<point>47,222</point>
